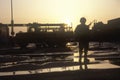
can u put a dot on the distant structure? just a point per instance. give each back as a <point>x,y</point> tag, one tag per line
<point>45,35</point>
<point>4,30</point>
<point>4,34</point>
<point>106,32</point>
<point>57,35</point>
<point>59,27</point>
<point>114,23</point>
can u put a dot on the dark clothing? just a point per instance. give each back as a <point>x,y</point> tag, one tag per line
<point>82,36</point>
<point>82,33</point>
<point>85,46</point>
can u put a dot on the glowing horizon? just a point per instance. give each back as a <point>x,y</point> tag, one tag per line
<point>58,11</point>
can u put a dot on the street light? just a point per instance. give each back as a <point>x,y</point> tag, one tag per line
<point>12,21</point>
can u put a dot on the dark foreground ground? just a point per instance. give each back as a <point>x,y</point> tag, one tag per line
<point>90,74</point>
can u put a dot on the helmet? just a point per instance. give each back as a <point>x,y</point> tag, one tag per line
<point>83,20</point>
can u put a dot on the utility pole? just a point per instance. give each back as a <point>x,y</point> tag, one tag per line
<point>12,21</point>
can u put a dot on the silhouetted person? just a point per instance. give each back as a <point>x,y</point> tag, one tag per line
<point>82,36</point>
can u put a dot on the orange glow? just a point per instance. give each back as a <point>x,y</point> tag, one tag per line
<point>56,11</point>
<point>68,22</point>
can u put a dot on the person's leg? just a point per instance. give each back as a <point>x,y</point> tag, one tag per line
<point>80,51</point>
<point>80,55</point>
<point>85,65</point>
<point>86,46</point>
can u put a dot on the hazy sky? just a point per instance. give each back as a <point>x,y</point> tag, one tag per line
<point>59,11</point>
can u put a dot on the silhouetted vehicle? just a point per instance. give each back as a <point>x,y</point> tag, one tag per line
<point>58,35</point>
<point>45,35</point>
<point>106,32</point>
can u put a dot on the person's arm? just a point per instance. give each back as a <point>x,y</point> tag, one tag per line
<point>90,23</point>
<point>76,30</point>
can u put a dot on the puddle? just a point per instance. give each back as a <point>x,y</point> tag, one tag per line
<point>47,64</point>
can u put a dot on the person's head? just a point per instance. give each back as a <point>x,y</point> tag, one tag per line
<point>83,20</point>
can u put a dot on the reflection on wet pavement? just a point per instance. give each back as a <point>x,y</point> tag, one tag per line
<point>57,62</point>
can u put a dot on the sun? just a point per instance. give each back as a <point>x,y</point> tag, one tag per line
<point>68,22</point>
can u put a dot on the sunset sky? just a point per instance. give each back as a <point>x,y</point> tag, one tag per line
<point>59,11</point>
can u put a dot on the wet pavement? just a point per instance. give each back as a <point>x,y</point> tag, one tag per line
<point>56,62</point>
